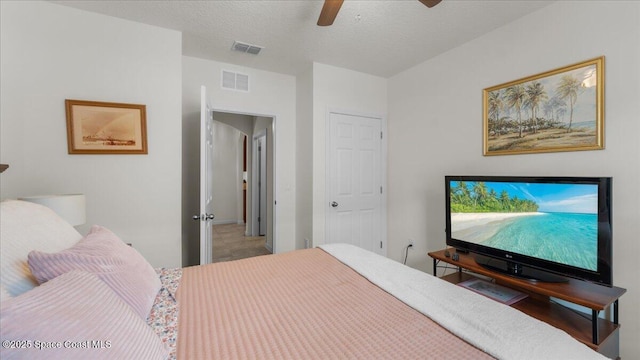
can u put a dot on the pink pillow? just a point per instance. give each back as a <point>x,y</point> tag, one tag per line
<point>78,317</point>
<point>102,253</point>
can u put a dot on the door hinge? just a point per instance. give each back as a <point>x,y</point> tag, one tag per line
<point>380,189</point>
<point>380,244</point>
<point>380,135</point>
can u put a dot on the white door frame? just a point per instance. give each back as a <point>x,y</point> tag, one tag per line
<point>274,208</point>
<point>256,194</point>
<point>383,171</point>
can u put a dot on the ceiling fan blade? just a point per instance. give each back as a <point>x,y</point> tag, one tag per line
<point>329,12</point>
<point>430,3</point>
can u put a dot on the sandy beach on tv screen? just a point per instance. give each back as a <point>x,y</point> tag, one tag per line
<point>479,226</point>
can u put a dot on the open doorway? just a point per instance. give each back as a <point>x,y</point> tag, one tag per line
<point>243,186</point>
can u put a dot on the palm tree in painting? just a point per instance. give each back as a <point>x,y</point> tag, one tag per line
<point>535,94</point>
<point>553,107</point>
<point>495,106</point>
<point>515,96</point>
<point>548,110</point>
<point>561,112</point>
<point>569,88</point>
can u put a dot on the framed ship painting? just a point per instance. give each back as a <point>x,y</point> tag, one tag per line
<point>106,128</point>
<point>559,110</point>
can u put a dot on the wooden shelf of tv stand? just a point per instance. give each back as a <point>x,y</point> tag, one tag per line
<point>539,306</point>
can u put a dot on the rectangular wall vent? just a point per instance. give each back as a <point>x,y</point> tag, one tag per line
<point>235,81</point>
<point>246,48</point>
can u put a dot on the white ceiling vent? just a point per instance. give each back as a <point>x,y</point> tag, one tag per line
<point>235,81</point>
<point>246,48</point>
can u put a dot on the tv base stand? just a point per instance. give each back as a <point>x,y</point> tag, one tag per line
<point>600,334</point>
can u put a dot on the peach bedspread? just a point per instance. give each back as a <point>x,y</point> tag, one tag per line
<point>302,305</point>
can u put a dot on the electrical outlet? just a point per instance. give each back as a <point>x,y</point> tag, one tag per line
<point>306,243</point>
<point>410,242</point>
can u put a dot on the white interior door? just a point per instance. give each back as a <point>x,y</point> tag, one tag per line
<point>354,182</point>
<point>206,179</point>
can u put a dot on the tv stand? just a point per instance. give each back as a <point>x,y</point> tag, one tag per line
<point>518,271</point>
<point>600,334</point>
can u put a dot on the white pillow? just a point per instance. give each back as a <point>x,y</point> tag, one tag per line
<point>26,226</point>
<point>4,294</point>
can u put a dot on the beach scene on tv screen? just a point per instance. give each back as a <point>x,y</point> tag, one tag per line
<point>555,222</point>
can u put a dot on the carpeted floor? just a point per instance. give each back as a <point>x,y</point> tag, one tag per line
<point>229,243</point>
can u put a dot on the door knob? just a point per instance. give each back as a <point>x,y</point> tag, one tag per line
<point>203,217</point>
<point>334,204</point>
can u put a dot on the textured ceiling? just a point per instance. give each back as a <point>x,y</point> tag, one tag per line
<point>379,37</point>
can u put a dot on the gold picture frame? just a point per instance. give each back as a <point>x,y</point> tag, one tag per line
<point>95,127</point>
<point>558,110</point>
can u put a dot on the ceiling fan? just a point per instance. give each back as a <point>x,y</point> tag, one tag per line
<point>331,7</point>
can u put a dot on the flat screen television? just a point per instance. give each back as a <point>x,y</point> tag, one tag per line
<point>538,228</point>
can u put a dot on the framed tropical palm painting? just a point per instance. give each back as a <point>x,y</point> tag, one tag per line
<point>559,110</point>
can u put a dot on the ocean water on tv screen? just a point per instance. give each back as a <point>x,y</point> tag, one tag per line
<point>566,238</point>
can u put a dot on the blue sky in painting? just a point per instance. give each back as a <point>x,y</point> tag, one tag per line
<point>585,107</point>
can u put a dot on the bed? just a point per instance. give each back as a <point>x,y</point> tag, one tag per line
<point>68,296</point>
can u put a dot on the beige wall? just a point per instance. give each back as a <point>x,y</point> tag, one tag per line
<point>304,158</point>
<point>435,129</point>
<point>243,123</point>
<point>227,166</point>
<point>50,53</point>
